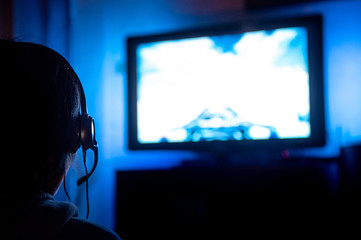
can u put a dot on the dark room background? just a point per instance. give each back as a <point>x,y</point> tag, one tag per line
<point>91,34</point>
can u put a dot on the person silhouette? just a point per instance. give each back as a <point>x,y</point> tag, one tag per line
<point>43,115</point>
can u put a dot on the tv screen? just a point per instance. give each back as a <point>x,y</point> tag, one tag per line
<point>251,83</point>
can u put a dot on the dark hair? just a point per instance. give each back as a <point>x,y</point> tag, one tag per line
<point>40,107</point>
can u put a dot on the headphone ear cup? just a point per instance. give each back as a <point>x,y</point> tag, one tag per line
<point>87,132</point>
<point>87,140</point>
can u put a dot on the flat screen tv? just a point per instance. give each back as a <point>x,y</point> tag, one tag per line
<point>254,84</point>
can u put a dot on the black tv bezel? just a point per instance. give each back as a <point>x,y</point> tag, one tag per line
<point>313,24</point>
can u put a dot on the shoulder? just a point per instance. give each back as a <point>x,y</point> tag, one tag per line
<point>77,228</point>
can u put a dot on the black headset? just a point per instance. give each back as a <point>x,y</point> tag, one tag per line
<point>86,135</point>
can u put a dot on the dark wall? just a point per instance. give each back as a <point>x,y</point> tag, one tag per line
<point>266,4</point>
<point>6,18</point>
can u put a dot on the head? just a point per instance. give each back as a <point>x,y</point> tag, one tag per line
<point>41,98</point>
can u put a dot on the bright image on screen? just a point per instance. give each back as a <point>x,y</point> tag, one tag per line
<point>237,87</point>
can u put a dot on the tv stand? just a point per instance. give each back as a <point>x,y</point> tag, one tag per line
<point>198,202</point>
